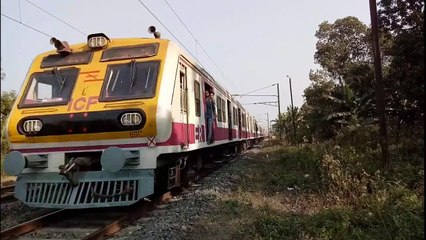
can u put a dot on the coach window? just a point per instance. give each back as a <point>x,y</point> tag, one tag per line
<point>197,98</point>
<point>235,117</point>
<point>219,108</point>
<point>130,81</point>
<point>223,111</point>
<point>183,92</point>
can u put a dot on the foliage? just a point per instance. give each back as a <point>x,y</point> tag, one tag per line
<point>7,101</point>
<point>403,22</point>
<point>340,101</point>
<point>367,204</point>
<point>399,217</point>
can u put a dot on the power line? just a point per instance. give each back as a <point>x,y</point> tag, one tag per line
<point>168,30</point>
<point>50,14</point>
<point>256,90</point>
<point>196,40</point>
<point>180,19</point>
<point>28,26</point>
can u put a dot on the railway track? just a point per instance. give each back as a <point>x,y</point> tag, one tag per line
<point>84,223</point>
<point>91,224</point>
<point>7,193</point>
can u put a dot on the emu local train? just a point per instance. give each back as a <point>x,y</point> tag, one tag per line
<point>112,121</point>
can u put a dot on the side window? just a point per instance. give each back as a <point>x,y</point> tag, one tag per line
<point>235,116</point>
<point>183,98</point>
<point>219,108</point>
<point>197,97</point>
<point>223,111</point>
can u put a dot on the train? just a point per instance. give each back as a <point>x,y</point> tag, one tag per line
<point>110,122</point>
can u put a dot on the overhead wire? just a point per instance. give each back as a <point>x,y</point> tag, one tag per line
<point>256,90</point>
<point>196,40</point>
<point>165,27</point>
<point>28,26</point>
<point>57,18</point>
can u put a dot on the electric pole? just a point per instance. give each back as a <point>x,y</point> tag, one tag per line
<point>292,108</point>
<point>380,94</point>
<point>279,110</point>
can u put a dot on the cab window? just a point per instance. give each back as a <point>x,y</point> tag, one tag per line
<point>130,81</point>
<point>49,88</point>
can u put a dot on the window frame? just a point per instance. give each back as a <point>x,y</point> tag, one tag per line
<point>66,101</point>
<point>224,111</point>
<point>219,108</point>
<point>52,65</point>
<point>102,59</point>
<point>197,100</point>
<point>102,98</point>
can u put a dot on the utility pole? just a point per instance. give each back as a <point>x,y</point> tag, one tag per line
<point>267,119</point>
<point>380,95</point>
<point>292,108</point>
<point>279,109</point>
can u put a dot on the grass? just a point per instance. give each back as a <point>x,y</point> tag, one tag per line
<point>294,193</point>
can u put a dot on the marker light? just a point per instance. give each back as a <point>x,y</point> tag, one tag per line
<point>32,126</point>
<point>131,119</point>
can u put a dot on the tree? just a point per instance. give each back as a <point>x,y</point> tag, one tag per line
<point>7,100</point>
<point>341,45</point>
<point>402,21</point>
<point>3,75</point>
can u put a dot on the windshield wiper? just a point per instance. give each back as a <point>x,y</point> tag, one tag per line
<point>132,74</point>
<point>59,79</point>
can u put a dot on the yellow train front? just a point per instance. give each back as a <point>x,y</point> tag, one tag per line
<point>91,128</point>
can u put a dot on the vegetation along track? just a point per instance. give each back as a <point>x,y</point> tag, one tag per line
<point>94,223</point>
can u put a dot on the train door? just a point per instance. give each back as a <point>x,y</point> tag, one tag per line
<point>230,120</point>
<point>208,88</point>
<point>184,116</point>
<point>239,124</point>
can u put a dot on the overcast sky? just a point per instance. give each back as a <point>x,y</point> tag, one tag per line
<point>254,43</point>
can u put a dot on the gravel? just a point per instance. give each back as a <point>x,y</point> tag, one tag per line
<point>174,219</point>
<point>16,212</point>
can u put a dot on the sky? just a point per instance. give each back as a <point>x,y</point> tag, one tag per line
<point>253,44</point>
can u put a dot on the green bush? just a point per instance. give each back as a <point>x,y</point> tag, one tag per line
<point>398,216</point>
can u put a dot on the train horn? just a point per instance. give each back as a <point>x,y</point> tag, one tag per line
<point>61,46</point>
<point>152,30</point>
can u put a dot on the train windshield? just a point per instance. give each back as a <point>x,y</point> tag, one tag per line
<point>49,88</point>
<point>130,81</point>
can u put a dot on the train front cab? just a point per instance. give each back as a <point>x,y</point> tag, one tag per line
<point>86,150</point>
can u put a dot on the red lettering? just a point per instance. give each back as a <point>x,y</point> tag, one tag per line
<point>78,108</point>
<point>82,103</point>
<point>90,101</point>
<point>69,105</point>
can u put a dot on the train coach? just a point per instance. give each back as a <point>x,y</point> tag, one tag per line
<point>111,121</point>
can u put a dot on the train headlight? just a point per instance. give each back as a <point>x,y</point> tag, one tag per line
<point>131,119</point>
<point>97,40</point>
<point>32,126</point>
<point>14,163</point>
